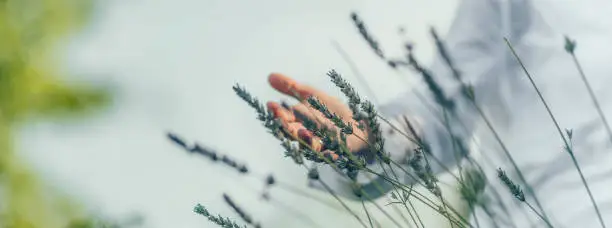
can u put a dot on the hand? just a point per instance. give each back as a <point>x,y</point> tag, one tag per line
<point>292,118</point>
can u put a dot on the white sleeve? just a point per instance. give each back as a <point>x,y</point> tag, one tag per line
<point>475,44</point>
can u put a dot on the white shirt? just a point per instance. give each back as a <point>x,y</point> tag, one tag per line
<point>536,30</point>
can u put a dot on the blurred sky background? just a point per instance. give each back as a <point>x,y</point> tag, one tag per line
<point>173,63</point>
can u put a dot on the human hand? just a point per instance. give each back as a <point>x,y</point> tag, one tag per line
<point>292,118</point>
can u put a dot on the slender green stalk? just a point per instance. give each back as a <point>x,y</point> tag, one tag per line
<point>488,212</point>
<point>367,214</point>
<point>474,215</point>
<point>468,93</point>
<point>341,125</point>
<point>444,203</point>
<point>346,85</point>
<point>381,209</point>
<point>380,189</point>
<point>298,191</point>
<point>287,187</point>
<point>522,178</point>
<point>501,203</point>
<point>328,189</point>
<point>570,46</point>
<point>433,86</point>
<point>354,102</point>
<point>355,70</point>
<point>268,120</point>
<point>565,141</point>
<point>331,192</point>
<point>414,209</point>
<point>416,179</point>
<point>403,201</point>
<point>430,203</point>
<point>240,211</point>
<point>442,165</point>
<point>362,80</point>
<point>455,211</point>
<point>331,164</point>
<point>536,212</point>
<point>298,214</point>
<point>517,192</point>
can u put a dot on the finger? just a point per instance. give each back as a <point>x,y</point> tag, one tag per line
<point>303,112</point>
<point>285,85</point>
<point>289,86</point>
<point>331,154</point>
<point>280,112</point>
<point>293,129</point>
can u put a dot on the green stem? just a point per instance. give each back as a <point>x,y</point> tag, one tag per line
<point>367,214</point>
<point>592,94</point>
<point>331,192</point>
<point>567,145</point>
<point>538,214</point>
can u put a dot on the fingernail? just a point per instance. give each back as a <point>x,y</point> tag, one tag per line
<point>330,155</point>
<point>294,128</point>
<point>305,135</point>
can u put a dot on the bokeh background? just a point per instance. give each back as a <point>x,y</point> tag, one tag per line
<point>171,65</point>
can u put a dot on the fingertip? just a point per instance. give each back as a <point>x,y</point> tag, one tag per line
<point>310,139</point>
<point>306,135</point>
<point>276,75</point>
<point>272,105</point>
<point>280,112</point>
<point>335,156</point>
<point>331,154</point>
<point>274,108</point>
<point>282,83</point>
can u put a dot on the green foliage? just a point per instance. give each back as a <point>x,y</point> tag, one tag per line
<point>30,86</point>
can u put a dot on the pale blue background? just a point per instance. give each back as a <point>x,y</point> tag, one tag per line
<point>173,63</point>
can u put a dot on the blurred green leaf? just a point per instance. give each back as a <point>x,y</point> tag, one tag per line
<point>30,86</point>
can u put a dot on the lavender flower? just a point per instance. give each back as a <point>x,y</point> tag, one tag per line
<point>514,188</point>
<point>247,218</point>
<point>209,153</point>
<point>219,220</point>
<point>366,35</point>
